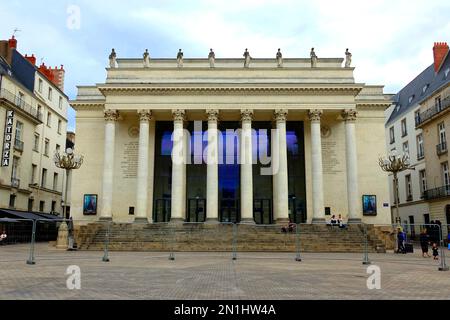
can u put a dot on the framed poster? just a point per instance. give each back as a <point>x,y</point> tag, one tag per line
<point>369,205</point>
<point>90,204</point>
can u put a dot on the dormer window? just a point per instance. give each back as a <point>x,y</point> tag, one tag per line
<point>447,71</point>
<point>425,88</point>
<point>411,99</point>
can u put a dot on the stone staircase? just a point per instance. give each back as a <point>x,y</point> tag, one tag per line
<point>222,238</point>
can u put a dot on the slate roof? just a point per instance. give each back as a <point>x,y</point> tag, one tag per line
<point>415,89</point>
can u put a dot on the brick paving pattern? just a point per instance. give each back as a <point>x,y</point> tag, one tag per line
<point>206,276</point>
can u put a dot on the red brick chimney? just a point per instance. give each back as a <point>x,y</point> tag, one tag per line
<point>440,51</point>
<point>32,59</point>
<point>46,71</point>
<point>58,76</point>
<point>12,43</point>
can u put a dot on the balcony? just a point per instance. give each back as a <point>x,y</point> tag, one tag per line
<point>441,148</point>
<point>18,145</point>
<point>437,193</point>
<point>432,112</point>
<point>15,183</point>
<point>20,104</point>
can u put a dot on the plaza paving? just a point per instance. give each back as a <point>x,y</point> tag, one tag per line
<point>205,276</point>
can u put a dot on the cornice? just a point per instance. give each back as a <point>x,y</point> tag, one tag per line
<point>157,90</point>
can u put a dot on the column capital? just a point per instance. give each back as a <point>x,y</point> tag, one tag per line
<point>145,115</point>
<point>179,115</point>
<point>315,115</point>
<point>280,115</point>
<point>213,115</point>
<point>111,115</point>
<point>349,115</point>
<point>246,115</point>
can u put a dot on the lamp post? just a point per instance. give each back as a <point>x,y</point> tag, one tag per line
<point>67,161</point>
<point>396,163</point>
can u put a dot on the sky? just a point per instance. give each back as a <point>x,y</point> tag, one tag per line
<point>391,40</point>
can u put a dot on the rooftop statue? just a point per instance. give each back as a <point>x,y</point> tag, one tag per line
<point>247,59</point>
<point>348,59</point>
<point>146,59</point>
<point>180,58</point>
<point>279,59</point>
<point>212,58</point>
<point>112,59</point>
<point>313,58</point>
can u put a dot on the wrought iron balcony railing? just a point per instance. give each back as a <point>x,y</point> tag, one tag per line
<point>21,104</point>
<point>437,193</point>
<point>441,148</point>
<point>431,112</point>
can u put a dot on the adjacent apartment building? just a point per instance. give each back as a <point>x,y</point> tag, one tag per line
<point>33,121</point>
<point>434,121</point>
<point>406,132</point>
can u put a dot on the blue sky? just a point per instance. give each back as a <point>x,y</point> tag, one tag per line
<point>391,41</point>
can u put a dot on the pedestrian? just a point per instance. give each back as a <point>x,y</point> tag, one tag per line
<point>435,251</point>
<point>3,237</point>
<point>424,241</point>
<point>400,241</point>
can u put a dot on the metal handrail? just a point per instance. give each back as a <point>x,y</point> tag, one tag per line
<point>18,144</point>
<point>20,103</point>
<point>441,148</point>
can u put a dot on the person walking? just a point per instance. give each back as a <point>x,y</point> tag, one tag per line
<point>424,241</point>
<point>400,240</point>
<point>435,251</point>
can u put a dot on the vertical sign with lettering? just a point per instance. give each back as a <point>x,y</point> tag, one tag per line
<point>7,141</point>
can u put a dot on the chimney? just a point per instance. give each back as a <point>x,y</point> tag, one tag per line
<point>440,51</point>
<point>31,59</point>
<point>58,76</point>
<point>12,43</point>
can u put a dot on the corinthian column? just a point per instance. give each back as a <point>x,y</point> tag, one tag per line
<point>212,181</point>
<point>111,117</point>
<point>246,160</point>
<point>279,161</point>
<point>142,179</point>
<point>317,170</point>
<point>178,205</point>
<point>354,212</point>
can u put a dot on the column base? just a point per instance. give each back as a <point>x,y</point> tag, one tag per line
<point>105,219</point>
<point>141,221</point>
<point>318,221</point>
<point>248,221</point>
<point>283,221</point>
<point>177,220</point>
<point>354,221</point>
<point>212,221</point>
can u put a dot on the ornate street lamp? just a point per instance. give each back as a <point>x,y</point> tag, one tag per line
<point>396,163</point>
<point>68,161</point>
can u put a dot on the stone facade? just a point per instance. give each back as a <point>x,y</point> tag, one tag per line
<point>343,135</point>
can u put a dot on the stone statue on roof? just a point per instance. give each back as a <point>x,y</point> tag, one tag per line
<point>112,59</point>
<point>180,56</point>
<point>279,58</point>
<point>314,58</point>
<point>247,59</point>
<point>212,58</point>
<point>348,59</point>
<point>146,59</point>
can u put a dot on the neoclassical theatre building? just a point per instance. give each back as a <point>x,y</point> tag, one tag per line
<point>329,135</point>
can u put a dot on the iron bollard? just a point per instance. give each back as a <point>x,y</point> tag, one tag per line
<point>31,260</point>
<point>297,243</point>
<point>172,242</point>
<point>106,252</point>
<point>234,244</point>
<point>366,260</point>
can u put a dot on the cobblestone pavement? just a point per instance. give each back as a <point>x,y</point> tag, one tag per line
<point>201,276</point>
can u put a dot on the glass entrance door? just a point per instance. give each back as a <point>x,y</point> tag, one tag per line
<point>196,210</point>
<point>262,211</point>
<point>161,212</point>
